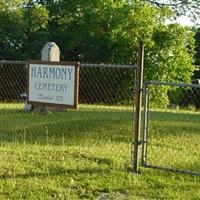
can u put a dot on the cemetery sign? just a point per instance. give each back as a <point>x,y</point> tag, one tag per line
<point>53,84</point>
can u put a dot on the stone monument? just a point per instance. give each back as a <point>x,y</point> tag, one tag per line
<point>50,52</point>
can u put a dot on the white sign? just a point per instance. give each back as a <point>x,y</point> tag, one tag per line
<point>55,83</point>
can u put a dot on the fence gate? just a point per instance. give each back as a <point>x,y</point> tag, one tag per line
<point>171,134</point>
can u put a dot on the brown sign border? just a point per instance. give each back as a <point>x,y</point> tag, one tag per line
<point>76,85</point>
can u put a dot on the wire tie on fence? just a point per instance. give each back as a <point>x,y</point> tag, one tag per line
<point>139,89</point>
<point>138,143</point>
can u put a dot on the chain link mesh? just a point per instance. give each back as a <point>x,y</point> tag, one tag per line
<point>171,131</point>
<point>96,136</point>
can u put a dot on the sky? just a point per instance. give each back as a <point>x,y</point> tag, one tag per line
<point>185,21</point>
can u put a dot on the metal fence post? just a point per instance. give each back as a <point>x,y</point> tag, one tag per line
<point>138,105</point>
<point>145,125</point>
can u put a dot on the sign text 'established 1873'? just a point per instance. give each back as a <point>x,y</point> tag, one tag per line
<point>53,83</point>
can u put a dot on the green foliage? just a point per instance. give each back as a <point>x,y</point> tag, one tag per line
<point>180,7</point>
<point>36,33</point>
<point>22,30</point>
<point>36,18</point>
<point>197,46</point>
<point>169,58</point>
<point>11,30</point>
<point>99,31</point>
<point>196,75</point>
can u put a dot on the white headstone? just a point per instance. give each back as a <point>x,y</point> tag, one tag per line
<point>50,52</point>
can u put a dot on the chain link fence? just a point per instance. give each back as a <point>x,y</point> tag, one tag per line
<point>60,149</point>
<point>171,131</point>
<point>96,136</point>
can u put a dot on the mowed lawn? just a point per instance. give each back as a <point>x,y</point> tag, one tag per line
<point>86,154</point>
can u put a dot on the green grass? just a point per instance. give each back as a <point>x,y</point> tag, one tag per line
<point>86,154</point>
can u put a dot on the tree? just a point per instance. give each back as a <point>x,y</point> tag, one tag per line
<point>197,46</point>
<point>180,7</point>
<point>169,59</point>
<point>23,30</point>
<point>109,28</point>
<point>108,31</point>
<point>11,29</point>
<point>102,31</point>
<point>196,75</point>
<point>36,31</point>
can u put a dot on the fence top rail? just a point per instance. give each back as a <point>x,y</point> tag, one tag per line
<point>81,64</point>
<point>13,62</point>
<point>171,84</point>
<point>107,65</point>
